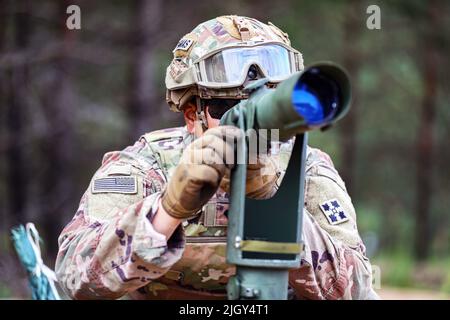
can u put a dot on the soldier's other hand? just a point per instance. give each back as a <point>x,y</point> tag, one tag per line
<point>202,166</point>
<point>261,178</point>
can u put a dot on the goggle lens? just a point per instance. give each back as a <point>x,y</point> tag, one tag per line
<point>230,66</point>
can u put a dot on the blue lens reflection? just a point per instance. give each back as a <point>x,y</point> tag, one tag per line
<point>307,104</point>
<point>315,98</point>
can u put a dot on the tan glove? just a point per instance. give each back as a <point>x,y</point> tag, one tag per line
<point>261,179</point>
<point>197,177</point>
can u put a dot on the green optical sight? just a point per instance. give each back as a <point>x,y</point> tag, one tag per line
<point>264,236</point>
<point>308,100</point>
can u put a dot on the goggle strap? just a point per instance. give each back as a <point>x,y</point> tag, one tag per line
<point>201,112</point>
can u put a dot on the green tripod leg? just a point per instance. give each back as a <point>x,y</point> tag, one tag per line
<point>264,235</point>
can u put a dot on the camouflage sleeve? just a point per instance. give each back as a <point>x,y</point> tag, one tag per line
<point>334,264</point>
<point>110,247</point>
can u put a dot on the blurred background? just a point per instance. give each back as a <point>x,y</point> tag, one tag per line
<point>69,96</point>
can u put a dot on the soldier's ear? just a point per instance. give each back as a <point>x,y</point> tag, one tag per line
<point>190,116</point>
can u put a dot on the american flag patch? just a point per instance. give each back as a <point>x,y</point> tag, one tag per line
<point>115,184</point>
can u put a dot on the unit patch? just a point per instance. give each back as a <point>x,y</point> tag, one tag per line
<point>334,212</point>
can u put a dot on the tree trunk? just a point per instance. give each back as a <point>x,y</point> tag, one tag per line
<point>143,107</point>
<point>3,135</point>
<point>424,145</point>
<point>348,126</point>
<point>58,149</point>
<point>16,104</point>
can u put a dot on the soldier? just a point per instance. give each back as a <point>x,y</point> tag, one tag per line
<point>152,223</point>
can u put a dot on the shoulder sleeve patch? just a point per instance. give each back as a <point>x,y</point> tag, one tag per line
<point>334,212</point>
<point>115,184</point>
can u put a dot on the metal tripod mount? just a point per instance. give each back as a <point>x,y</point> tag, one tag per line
<point>264,236</point>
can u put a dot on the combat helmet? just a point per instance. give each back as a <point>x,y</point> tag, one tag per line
<point>213,60</point>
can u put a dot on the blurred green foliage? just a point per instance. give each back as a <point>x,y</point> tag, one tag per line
<point>400,270</point>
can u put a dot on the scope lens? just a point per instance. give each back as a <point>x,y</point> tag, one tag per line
<point>315,97</point>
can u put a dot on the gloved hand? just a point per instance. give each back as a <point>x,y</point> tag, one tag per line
<point>261,179</point>
<point>198,175</point>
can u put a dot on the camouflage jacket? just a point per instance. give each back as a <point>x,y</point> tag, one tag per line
<point>110,249</point>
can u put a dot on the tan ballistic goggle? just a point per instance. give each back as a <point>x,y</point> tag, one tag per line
<point>228,67</point>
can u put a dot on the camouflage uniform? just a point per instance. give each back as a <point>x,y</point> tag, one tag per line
<point>110,248</point>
